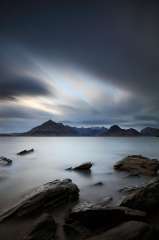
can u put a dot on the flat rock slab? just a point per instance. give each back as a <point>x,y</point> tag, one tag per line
<point>138,164</point>
<point>145,198</point>
<point>132,230</point>
<point>46,198</point>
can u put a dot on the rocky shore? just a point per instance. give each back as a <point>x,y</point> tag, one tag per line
<point>55,211</point>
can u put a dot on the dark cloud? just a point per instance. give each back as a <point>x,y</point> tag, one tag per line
<point>21,86</point>
<point>117,41</point>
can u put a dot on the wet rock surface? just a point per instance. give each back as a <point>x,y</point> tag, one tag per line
<point>45,198</point>
<point>89,219</point>
<point>138,164</point>
<point>132,230</point>
<point>83,167</point>
<point>145,198</point>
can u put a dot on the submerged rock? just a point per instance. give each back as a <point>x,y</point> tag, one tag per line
<point>98,184</point>
<point>131,230</point>
<point>25,151</point>
<point>44,229</point>
<point>5,161</point>
<point>46,198</point>
<point>83,167</point>
<point>137,164</point>
<point>145,198</point>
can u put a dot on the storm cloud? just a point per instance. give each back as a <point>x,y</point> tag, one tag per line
<point>76,50</point>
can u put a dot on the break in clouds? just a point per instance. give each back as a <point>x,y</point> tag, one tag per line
<point>83,63</point>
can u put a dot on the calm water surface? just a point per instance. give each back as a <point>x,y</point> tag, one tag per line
<point>54,154</point>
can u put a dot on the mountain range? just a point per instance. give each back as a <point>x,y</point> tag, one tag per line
<point>51,128</point>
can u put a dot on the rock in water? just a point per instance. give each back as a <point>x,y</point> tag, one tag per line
<point>145,198</point>
<point>44,229</point>
<point>85,166</point>
<point>138,164</point>
<point>25,151</point>
<point>45,198</point>
<point>132,230</point>
<point>5,161</point>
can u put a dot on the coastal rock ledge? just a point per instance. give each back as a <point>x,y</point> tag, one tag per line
<point>138,164</point>
<point>45,199</point>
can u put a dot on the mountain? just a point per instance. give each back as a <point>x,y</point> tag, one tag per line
<point>149,131</point>
<point>51,128</point>
<point>116,131</point>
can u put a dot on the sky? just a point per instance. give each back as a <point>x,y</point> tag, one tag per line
<point>84,63</point>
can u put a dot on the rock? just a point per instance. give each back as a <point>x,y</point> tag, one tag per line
<point>83,167</point>
<point>89,218</point>
<point>132,230</point>
<point>98,184</point>
<point>44,229</point>
<point>139,165</point>
<point>145,198</point>
<point>25,151</point>
<point>5,161</point>
<point>46,198</point>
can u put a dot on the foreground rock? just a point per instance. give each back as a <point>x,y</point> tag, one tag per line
<point>25,151</point>
<point>145,198</point>
<point>46,198</point>
<point>132,230</point>
<point>87,219</point>
<point>85,166</point>
<point>137,164</point>
<point>44,229</point>
<point>5,161</point>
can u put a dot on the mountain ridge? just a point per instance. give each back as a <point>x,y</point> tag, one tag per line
<point>51,128</point>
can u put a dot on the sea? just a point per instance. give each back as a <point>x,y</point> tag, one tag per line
<point>53,155</point>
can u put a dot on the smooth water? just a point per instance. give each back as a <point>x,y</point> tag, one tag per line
<point>54,154</point>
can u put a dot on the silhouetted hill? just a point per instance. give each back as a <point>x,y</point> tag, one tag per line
<point>149,131</point>
<point>51,128</point>
<point>115,130</point>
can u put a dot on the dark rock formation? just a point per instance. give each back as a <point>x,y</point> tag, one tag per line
<point>132,230</point>
<point>139,165</point>
<point>45,199</point>
<point>145,198</point>
<point>87,219</point>
<point>98,184</point>
<point>24,152</point>
<point>83,167</point>
<point>44,229</point>
<point>5,161</point>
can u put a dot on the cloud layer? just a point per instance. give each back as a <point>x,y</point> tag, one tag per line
<point>86,62</point>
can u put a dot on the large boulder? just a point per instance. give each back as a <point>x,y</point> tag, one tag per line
<point>87,219</point>
<point>46,198</point>
<point>132,230</point>
<point>138,164</point>
<point>145,198</point>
